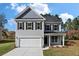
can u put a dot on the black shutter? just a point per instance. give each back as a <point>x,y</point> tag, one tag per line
<point>23,25</point>
<point>41,25</point>
<point>26,25</point>
<point>18,25</point>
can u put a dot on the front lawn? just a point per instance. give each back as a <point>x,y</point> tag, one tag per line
<point>6,46</point>
<point>66,51</point>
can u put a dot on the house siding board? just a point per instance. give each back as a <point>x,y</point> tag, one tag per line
<point>29,33</point>
<point>29,13</point>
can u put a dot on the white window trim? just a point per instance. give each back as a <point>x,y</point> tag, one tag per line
<point>18,27</point>
<point>39,25</point>
<point>29,26</point>
<point>48,25</point>
<point>53,27</point>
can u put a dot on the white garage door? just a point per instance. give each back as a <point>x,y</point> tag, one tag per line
<point>30,42</point>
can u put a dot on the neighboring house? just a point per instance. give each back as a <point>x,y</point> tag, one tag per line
<point>11,34</point>
<point>34,30</point>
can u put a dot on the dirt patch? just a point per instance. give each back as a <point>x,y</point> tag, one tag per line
<point>72,42</point>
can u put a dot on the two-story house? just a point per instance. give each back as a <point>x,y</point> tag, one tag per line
<point>35,30</point>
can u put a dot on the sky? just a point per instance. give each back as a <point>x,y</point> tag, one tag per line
<point>64,10</point>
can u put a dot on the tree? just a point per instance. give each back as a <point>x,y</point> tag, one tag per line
<point>68,24</point>
<point>57,16</point>
<point>75,23</point>
<point>3,21</point>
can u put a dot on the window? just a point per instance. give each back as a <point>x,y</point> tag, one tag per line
<point>38,25</point>
<point>29,25</point>
<point>47,27</point>
<point>54,38</point>
<point>20,26</point>
<point>55,27</point>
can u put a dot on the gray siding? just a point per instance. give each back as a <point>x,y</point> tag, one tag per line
<point>30,33</point>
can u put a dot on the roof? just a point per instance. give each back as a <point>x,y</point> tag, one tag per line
<point>51,18</point>
<point>28,13</point>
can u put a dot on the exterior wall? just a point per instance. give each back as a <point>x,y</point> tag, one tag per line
<point>42,42</point>
<point>17,42</point>
<point>32,14</point>
<point>30,34</point>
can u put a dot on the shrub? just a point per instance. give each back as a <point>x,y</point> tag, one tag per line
<point>72,35</point>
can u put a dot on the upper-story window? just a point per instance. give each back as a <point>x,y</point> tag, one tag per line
<point>20,26</point>
<point>47,27</point>
<point>29,25</point>
<point>38,25</point>
<point>55,27</point>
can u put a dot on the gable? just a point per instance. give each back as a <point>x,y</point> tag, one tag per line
<point>29,13</point>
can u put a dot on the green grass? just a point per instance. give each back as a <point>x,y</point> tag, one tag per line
<point>66,51</point>
<point>6,46</point>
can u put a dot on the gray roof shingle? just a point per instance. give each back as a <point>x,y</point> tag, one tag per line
<point>51,18</point>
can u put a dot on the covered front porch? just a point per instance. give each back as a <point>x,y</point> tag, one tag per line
<point>54,39</point>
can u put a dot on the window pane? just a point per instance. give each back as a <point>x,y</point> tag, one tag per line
<point>20,25</point>
<point>38,25</point>
<point>29,25</point>
<point>56,38</point>
<point>47,27</point>
<point>55,27</point>
<point>52,38</point>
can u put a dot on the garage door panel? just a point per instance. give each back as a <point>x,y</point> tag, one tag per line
<point>30,42</point>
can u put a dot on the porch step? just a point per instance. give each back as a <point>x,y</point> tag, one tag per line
<point>45,48</point>
<point>57,46</point>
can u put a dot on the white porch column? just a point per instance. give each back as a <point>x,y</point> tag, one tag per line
<point>49,40</point>
<point>51,27</point>
<point>33,25</point>
<point>63,40</point>
<point>24,25</point>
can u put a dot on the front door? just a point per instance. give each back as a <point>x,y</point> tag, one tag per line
<point>45,40</point>
<point>54,40</point>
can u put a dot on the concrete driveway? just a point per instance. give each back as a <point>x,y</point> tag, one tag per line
<point>25,52</point>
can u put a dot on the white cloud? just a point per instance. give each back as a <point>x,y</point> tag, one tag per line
<point>11,22</point>
<point>17,7</point>
<point>11,25</point>
<point>41,8</point>
<point>13,5</point>
<point>65,16</point>
<point>20,8</point>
